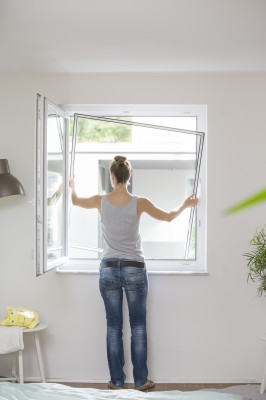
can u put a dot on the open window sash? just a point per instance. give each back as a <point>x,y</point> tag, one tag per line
<point>52,192</point>
<point>199,150</point>
<point>193,211</point>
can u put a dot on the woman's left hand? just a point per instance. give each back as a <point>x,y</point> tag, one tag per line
<point>191,201</point>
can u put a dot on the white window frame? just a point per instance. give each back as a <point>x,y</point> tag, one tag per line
<point>158,267</point>
<point>42,263</point>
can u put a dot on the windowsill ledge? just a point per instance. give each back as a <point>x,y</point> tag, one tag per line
<point>154,267</point>
<point>162,273</point>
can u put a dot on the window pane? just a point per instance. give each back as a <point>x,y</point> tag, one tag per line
<point>192,241</point>
<point>55,171</point>
<point>92,131</point>
<point>164,164</point>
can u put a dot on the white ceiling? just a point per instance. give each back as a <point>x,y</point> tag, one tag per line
<point>80,36</point>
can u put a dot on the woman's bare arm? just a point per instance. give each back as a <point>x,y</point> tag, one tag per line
<point>84,202</point>
<point>145,205</point>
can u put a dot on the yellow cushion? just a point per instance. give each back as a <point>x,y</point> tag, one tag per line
<point>20,317</point>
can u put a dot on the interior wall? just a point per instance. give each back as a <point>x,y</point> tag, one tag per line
<point>201,328</point>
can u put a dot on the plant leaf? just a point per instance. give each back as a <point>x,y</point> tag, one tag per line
<point>258,197</point>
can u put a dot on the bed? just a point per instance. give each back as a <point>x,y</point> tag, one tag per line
<point>54,391</point>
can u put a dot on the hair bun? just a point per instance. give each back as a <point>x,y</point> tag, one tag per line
<point>120,160</point>
<point>121,168</point>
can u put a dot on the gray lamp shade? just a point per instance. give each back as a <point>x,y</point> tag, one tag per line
<point>9,185</point>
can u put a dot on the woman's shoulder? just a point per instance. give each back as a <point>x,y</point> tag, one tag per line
<point>142,200</point>
<point>99,198</point>
<point>142,204</point>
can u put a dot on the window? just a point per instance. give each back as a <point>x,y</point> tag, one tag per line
<point>165,147</point>
<point>51,186</point>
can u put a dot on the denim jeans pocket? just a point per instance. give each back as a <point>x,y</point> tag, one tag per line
<point>106,273</point>
<point>109,279</point>
<point>135,277</point>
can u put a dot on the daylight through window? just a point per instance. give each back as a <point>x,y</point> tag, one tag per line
<point>164,166</point>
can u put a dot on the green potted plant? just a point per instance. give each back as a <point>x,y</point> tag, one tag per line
<point>257,256</point>
<point>257,260</point>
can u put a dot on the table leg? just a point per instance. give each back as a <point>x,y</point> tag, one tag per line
<point>39,354</point>
<point>14,365</point>
<point>263,382</point>
<point>20,366</point>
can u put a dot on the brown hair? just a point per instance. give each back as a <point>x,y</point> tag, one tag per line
<point>121,168</point>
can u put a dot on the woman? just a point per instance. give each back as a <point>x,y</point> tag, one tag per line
<point>123,267</point>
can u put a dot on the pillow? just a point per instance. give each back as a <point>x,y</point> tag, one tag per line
<point>20,317</point>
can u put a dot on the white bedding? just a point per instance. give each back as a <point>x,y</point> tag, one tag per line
<point>54,391</point>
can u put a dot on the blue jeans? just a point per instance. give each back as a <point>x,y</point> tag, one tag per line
<point>132,280</point>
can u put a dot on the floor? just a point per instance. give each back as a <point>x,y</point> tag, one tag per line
<point>184,387</point>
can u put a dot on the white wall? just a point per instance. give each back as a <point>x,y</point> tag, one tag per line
<point>200,328</point>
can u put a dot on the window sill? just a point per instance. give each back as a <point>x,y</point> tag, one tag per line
<point>162,273</point>
<point>154,267</point>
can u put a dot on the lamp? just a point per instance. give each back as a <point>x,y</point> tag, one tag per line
<point>9,185</point>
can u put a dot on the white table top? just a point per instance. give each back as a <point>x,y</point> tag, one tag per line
<point>38,328</point>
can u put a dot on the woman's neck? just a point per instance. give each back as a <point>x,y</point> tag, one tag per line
<point>120,188</point>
